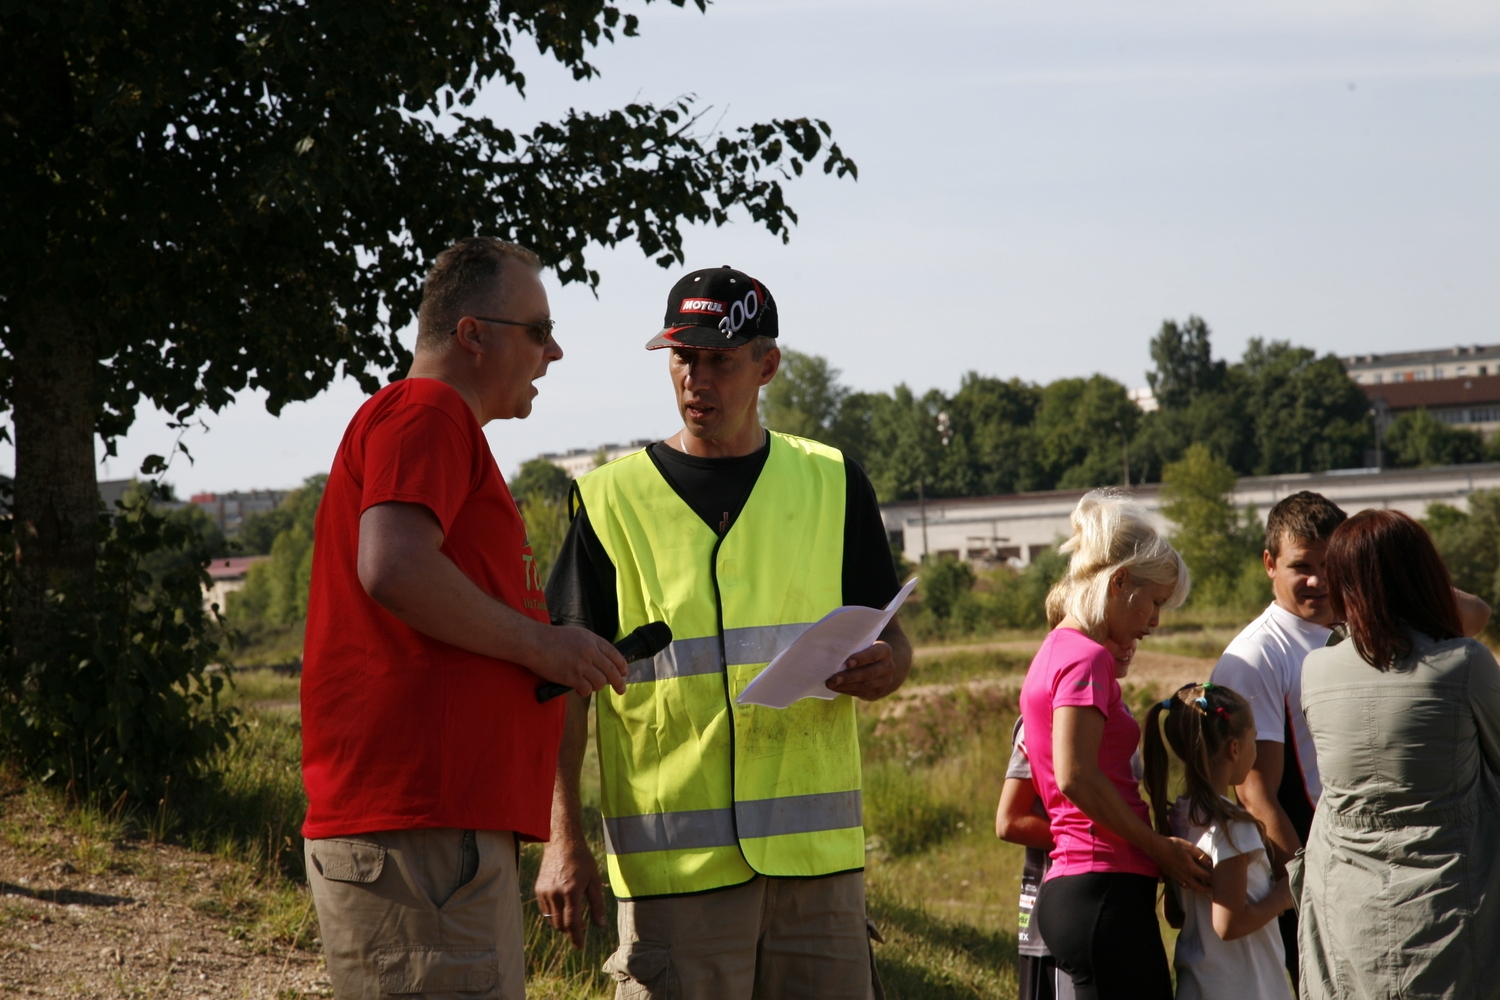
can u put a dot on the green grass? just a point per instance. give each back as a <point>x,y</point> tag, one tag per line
<point>254,686</point>
<point>958,664</point>
<point>258,644</point>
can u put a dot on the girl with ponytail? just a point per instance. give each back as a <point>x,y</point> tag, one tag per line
<point>1229,946</point>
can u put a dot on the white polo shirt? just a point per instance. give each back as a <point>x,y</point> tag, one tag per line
<point>1264,664</point>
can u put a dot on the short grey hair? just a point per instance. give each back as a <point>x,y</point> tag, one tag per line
<point>461,277</point>
<point>760,347</point>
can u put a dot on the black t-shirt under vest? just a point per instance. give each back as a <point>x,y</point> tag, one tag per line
<point>581,589</point>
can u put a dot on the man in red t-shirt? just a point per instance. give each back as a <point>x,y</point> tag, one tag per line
<point>425,752</point>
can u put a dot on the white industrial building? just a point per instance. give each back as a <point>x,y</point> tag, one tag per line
<point>580,460</point>
<point>1018,526</point>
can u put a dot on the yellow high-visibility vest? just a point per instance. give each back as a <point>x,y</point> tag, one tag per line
<point>697,792</point>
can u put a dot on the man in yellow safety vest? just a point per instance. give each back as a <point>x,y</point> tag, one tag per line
<point>734,834</point>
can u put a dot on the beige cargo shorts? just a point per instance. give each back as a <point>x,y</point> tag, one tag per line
<point>435,913</point>
<point>770,939</point>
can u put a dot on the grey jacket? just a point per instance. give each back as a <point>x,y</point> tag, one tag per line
<point>1399,886</point>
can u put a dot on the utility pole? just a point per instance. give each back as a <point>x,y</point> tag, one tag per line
<point>922,506</point>
<point>1380,411</point>
<point>1124,456</point>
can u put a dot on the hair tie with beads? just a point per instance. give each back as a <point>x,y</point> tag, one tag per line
<point>1166,703</point>
<point>1221,712</point>
<point>1201,702</point>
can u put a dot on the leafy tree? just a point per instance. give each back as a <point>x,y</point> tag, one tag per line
<point>259,529</point>
<point>992,447</point>
<point>200,197</point>
<point>539,477</point>
<point>1220,548</point>
<point>1199,399</point>
<point>903,444</point>
<point>1417,438</point>
<point>125,703</point>
<point>541,492</point>
<point>1279,409</point>
<point>804,398</point>
<point>1469,542</point>
<point>1185,368</point>
<point>853,429</point>
<point>1079,425</point>
<point>1308,415</point>
<point>200,533</point>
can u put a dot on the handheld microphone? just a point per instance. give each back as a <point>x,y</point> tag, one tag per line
<point>643,643</point>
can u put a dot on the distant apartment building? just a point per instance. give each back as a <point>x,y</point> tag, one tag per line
<point>228,575</point>
<point>1472,402</point>
<point>580,460</point>
<point>229,510</point>
<point>1462,361</point>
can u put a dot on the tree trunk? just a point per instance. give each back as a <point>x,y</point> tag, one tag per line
<point>56,492</point>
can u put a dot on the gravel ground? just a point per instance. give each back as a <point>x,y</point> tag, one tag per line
<point>86,917</point>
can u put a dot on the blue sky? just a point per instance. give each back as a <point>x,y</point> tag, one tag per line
<point>1040,185</point>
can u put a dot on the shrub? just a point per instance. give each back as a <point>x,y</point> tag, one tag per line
<point>945,582</point>
<point>1221,547</point>
<point>1417,438</point>
<point>1470,542</point>
<point>124,704</point>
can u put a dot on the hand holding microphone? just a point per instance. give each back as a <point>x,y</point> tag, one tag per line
<point>643,643</point>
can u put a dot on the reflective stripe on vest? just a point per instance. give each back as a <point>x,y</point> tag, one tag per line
<point>698,793</point>
<point>686,657</point>
<point>717,827</point>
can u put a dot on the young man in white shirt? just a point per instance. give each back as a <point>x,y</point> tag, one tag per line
<point>1264,664</point>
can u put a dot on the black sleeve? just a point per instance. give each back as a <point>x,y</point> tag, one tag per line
<point>869,573</point>
<point>581,587</point>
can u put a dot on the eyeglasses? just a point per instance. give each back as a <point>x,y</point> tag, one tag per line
<point>541,332</point>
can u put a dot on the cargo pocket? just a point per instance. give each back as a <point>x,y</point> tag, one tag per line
<point>644,970</point>
<point>348,860</point>
<point>435,970</point>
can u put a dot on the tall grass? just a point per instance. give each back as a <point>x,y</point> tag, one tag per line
<point>942,890</point>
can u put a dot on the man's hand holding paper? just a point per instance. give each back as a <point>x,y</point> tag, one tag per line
<point>871,673</point>
<point>851,650</point>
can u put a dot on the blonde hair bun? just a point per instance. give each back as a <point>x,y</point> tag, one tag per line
<point>1111,532</point>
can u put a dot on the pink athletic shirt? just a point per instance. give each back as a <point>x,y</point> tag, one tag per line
<point>1072,670</point>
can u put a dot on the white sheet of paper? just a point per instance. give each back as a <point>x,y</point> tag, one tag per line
<point>800,670</point>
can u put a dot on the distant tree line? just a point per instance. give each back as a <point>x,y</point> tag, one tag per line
<point>1278,409</point>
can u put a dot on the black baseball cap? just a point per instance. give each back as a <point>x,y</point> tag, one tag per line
<point>717,308</point>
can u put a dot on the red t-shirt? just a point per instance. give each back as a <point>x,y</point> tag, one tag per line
<point>402,731</point>
<point>1072,670</point>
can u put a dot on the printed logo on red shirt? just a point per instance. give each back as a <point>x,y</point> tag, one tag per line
<point>533,573</point>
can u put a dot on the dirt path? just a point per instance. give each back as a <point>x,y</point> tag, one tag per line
<point>86,918</point>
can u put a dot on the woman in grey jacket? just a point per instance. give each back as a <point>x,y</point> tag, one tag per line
<point>1399,886</point>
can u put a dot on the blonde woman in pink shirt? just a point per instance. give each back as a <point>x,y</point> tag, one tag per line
<point>1097,906</point>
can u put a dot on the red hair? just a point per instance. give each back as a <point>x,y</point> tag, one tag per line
<point>1385,576</point>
